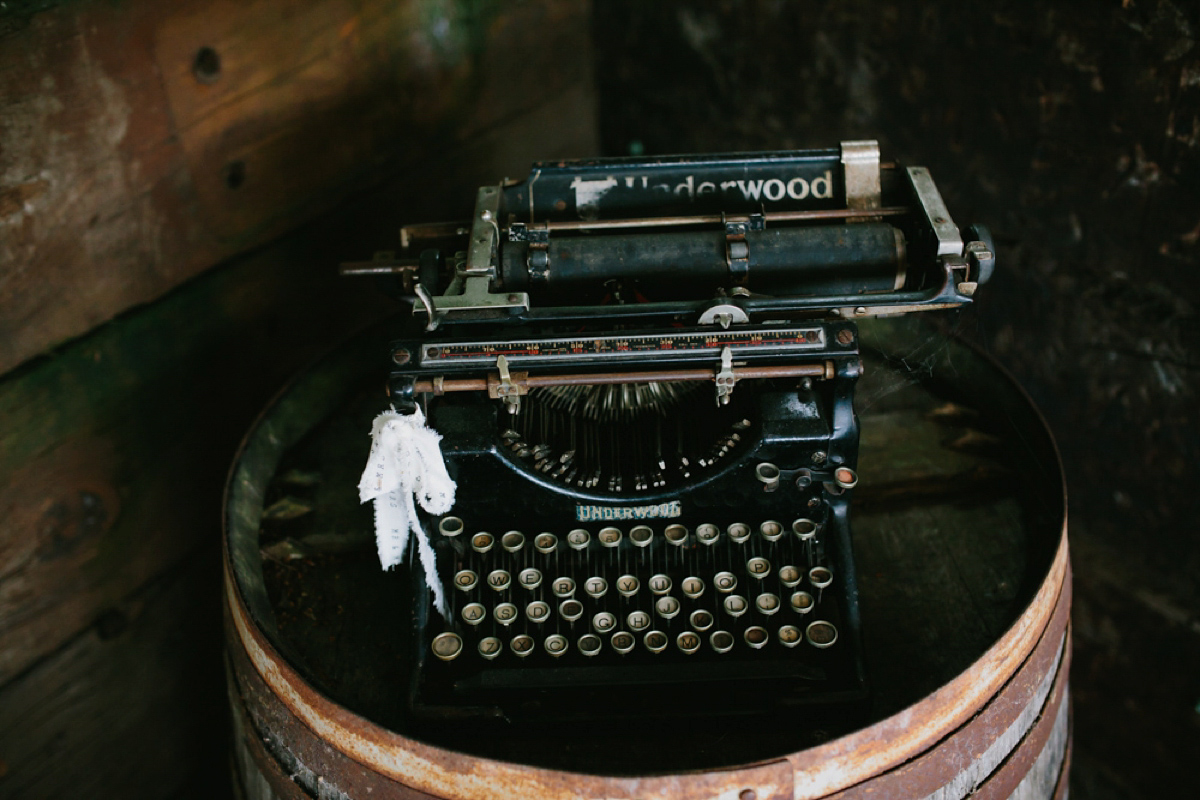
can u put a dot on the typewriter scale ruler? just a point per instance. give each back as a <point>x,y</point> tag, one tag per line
<point>957,538</point>
<point>707,343</point>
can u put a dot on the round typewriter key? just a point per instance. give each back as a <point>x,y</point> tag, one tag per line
<point>609,537</point>
<point>490,647</point>
<point>465,580</point>
<point>595,586</point>
<point>556,644</point>
<point>738,532</point>
<point>692,587</point>
<point>537,611</point>
<point>499,579</point>
<point>530,578</point>
<point>756,637</point>
<point>767,603</point>
<point>655,641</point>
<point>758,568</point>
<point>522,645</point>
<point>473,613</point>
<point>688,642</point>
<point>545,542</point>
<point>820,577</point>
<point>789,636</point>
<point>659,584</point>
<point>789,576</point>
<point>450,526</point>
<point>447,646</point>
<point>735,605</point>
<point>701,620</point>
<point>820,634</point>
<point>676,534</point>
<point>512,541</point>
<point>578,539</point>
<point>627,585</point>
<point>845,477</point>
<point>667,607</point>
<point>505,613</point>
<point>802,602</point>
<point>604,622</point>
<point>638,620</point>
<point>771,530</point>
<point>707,533</point>
<point>804,529</point>
<point>590,644</point>
<point>721,641</point>
<point>623,642</point>
<point>725,582</point>
<point>641,535</point>
<point>570,610</point>
<point>563,587</point>
<point>482,542</point>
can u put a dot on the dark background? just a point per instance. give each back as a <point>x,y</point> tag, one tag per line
<point>1073,130</point>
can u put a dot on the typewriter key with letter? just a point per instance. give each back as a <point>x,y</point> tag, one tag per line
<point>790,576</point>
<point>522,645</point>
<point>758,568</point>
<point>465,580</point>
<point>738,532</point>
<point>578,539</point>
<point>725,582</point>
<point>570,610</point>
<point>473,613</point>
<point>802,602</point>
<point>556,644</point>
<point>692,587</point>
<point>563,587</point>
<point>499,579</point>
<point>688,642</point>
<point>735,605</point>
<point>545,542</point>
<point>604,622</point>
<point>789,635</point>
<point>627,585</point>
<point>595,586</point>
<point>505,613</point>
<point>638,621</point>
<point>701,620</point>
<point>609,537</point>
<point>482,542</point>
<point>490,647</point>
<point>767,603</point>
<point>659,584</point>
<point>707,534</point>
<point>590,644</point>
<point>537,611</point>
<point>655,641</point>
<point>667,607</point>
<point>530,578</point>
<point>623,642</point>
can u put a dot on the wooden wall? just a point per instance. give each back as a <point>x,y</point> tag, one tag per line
<point>170,225</point>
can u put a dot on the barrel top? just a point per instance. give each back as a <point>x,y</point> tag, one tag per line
<point>959,536</point>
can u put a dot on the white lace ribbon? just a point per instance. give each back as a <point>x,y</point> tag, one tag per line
<point>405,465</point>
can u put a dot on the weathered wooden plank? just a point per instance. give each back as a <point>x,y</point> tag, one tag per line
<point>123,172</point>
<point>112,452</point>
<point>119,711</point>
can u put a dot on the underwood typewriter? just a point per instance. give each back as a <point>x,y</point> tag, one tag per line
<point>643,372</point>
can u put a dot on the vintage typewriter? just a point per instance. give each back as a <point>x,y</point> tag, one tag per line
<point>643,371</point>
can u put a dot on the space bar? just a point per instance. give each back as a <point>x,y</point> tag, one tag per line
<point>582,677</point>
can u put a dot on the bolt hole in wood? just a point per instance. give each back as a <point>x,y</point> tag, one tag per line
<point>235,174</point>
<point>207,65</point>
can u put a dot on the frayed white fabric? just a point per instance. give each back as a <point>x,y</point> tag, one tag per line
<point>406,463</point>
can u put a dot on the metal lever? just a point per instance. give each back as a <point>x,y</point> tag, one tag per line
<point>725,377</point>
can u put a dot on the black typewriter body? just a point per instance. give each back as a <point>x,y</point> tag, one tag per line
<point>643,375</point>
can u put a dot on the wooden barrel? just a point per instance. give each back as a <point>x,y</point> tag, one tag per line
<point>960,540</point>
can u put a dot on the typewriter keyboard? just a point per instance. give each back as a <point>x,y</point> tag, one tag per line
<point>646,592</point>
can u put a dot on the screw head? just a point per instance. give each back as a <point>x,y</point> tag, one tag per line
<point>401,356</point>
<point>845,336</point>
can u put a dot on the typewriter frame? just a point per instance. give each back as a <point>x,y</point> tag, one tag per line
<point>515,310</point>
